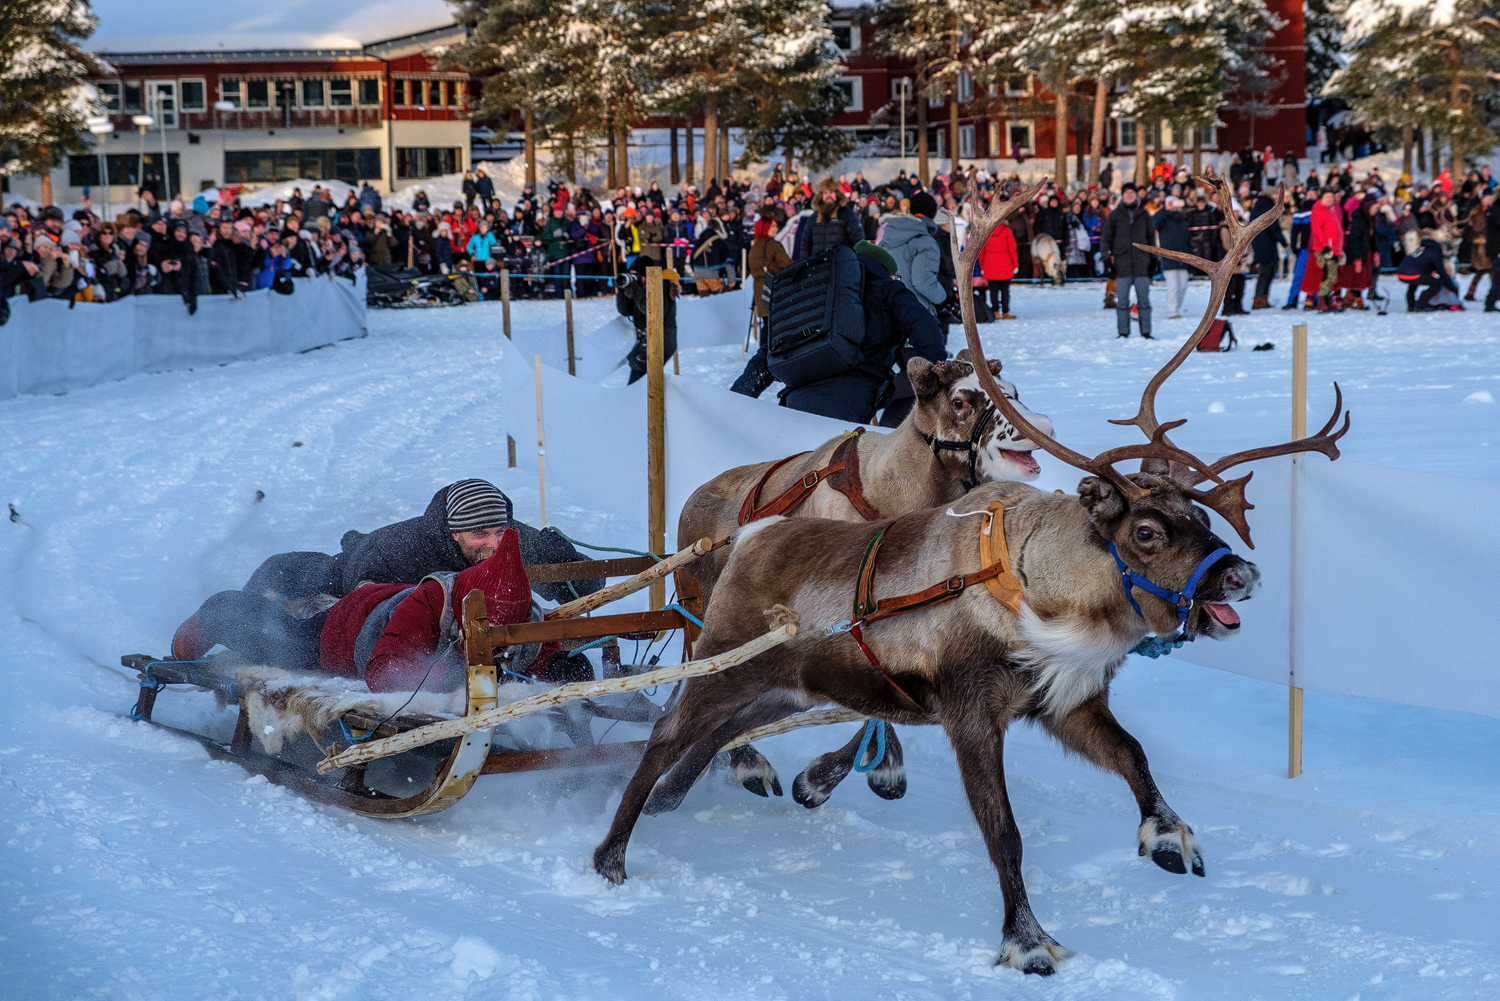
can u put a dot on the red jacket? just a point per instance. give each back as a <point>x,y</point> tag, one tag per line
<point>1327,228</point>
<point>998,260</point>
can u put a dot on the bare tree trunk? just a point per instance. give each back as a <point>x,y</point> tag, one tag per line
<point>790,163</point>
<point>528,124</point>
<point>1096,140</point>
<point>676,174</point>
<point>1141,172</point>
<point>622,159</point>
<point>46,156</point>
<point>1197,152</point>
<point>1081,138</point>
<point>921,96</point>
<point>611,176</point>
<point>724,151</point>
<point>1060,138</point>
<point>1455,106</point>
<point>953,129</point>
<point>1406,150</point>
<point>687,177</point>
<point>570,160</point>
<point>710,141</point>
<point>1177,137</point>
<point>1421,143</point>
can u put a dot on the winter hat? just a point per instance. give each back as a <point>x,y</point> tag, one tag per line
<point>200,205</point>
<point>502,578</point>
<point>923,204</point>
<point>476,504</point>
<point>1127,186</point>
<point>877,254</point>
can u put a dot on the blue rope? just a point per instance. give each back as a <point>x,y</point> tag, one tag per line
<point>1159,646</point>
<point>686,614</point>
<point>150,682</point>
<point>877,728</point>
<point>598,642</point>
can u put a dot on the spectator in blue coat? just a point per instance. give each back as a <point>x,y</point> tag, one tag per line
<point>481,244</point>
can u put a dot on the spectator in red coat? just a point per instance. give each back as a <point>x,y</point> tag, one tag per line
<point>1328,244</point>
<point>997,264</point>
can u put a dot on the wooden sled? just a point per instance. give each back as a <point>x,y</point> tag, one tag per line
<point>444,770</point>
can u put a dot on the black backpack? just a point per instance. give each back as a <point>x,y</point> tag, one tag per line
<point>817,322</point>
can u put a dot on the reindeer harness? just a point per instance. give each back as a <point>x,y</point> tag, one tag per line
<point>995,574</point>
<point>841,473</point>
<point>1183,599</point>
<point>971,446</point>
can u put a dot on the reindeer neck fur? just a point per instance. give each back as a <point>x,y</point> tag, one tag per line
<point>902,473</point>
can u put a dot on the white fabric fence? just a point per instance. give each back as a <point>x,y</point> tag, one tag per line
<point>47,347</point>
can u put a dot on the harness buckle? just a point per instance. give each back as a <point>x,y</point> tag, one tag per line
<point>955,584</point>
<point>839,627</point>
<point>810,480</point>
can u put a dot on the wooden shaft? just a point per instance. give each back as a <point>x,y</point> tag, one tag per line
<point>676,366</point>
<point>568,310</point>
<point>505,303</point>
<point>614,592</point>
<point>449,729</point>
<point>814,717</point>
<point>656,434</point>
<point>510,452</point>
<point>541,447</point>
<point>1299,431</point>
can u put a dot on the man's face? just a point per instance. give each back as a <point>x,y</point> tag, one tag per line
<point>1128,196</point>
<point>480,544</point>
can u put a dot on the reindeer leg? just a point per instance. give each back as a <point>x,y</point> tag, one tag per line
<point>822,775</point>
<point>755,711</point>
<point>754,772</point>
<point>888,779</point>
<point>977,732</point>
<point>1092,731</point>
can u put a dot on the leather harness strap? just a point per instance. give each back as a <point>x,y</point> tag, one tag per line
<point>995,574</point>
<point>842,474</point>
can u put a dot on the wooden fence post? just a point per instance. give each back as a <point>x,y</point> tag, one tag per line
<point>541,446</point>
<point>510,442</point>
<point>1299,431</point>
<point>656,432</point>
<point>568,308</point>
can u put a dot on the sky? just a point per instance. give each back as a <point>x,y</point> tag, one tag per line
<point>167,26</point>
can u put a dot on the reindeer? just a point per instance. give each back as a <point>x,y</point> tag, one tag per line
<point>952,440</point>
<point>1070,585</point>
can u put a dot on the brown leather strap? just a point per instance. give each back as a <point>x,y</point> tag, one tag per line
<point>1004,586</point>
<point>748,511</point>
<point>844,476</point>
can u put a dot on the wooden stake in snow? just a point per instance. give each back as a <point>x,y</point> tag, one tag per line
<point>568,308</point>
<point>589,602</point>
<point>1299,431</point>
<point>541,447</point>
<point>656,432</point>
<point>448,729</point>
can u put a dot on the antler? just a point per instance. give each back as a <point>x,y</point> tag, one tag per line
<point>1321,442</point>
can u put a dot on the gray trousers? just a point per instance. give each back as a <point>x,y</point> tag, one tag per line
<point>1142,286</point>
<point>1177,282</point>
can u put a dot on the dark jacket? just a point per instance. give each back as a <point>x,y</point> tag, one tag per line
<point>1171,234</point>
<point>223,267</point>
<point>1492,230</point>
<point>893,317</point>
<point>630,300</point>
<point>410,550</point>
<point>1203,232</point>
<point>1426,262</point>
<point>1263,246</point>
<point>1127,225</point>
<point>1359,241</point>
<point>825,231</point>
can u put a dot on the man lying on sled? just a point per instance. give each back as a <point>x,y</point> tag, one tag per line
<point>394,637</point>
<point>460,527</point>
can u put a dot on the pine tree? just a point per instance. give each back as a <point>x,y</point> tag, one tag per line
<point>507,51</point>
<point>1415,63</point>
<point>43,95</point>
<point>1323,35</point>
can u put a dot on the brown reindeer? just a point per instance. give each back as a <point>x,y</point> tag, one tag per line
<point>1071,585</point>
<point>953,440</point>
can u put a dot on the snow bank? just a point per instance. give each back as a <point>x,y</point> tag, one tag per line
<point>338,191</point>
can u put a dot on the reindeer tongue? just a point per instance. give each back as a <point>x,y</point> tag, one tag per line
<point>1023,459</point>
<point>1222,612</point>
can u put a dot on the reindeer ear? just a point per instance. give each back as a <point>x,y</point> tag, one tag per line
<point>1101,500</point>
<point>964,355</point>
<point>924,377</point>
<point>994,366</point>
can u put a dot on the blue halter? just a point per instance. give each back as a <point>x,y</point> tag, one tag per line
<point>1183,599</point>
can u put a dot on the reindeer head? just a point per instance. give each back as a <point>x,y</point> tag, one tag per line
<point>965,432</point>
<point>1150,520</point>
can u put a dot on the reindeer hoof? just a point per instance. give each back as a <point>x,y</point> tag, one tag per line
<point>1171,845</point>
<point>809,794</point>
<point>754,772</point>
<point>1041,958</point>
<point>610,863</point>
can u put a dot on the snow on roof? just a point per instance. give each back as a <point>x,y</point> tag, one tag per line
<point>170,26</point>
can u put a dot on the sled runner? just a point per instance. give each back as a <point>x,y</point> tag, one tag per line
<point>288,724</point>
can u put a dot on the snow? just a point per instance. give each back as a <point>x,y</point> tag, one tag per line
<point>268,195</point>
<point>137,867</point>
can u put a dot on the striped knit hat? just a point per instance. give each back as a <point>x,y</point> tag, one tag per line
<point>476,504</point>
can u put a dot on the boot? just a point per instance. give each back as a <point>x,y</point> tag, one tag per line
<point>1355,301</point>
<point>1007,316</point>
<point>1311,305</point>
<point>1261,302</point>
<point>188,642</point>
<point>1328,306</point>
<point>1109,294</point>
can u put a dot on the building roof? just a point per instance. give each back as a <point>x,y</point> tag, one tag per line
<point>223,27</point>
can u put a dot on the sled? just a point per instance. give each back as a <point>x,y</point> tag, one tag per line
<point>444,770</point>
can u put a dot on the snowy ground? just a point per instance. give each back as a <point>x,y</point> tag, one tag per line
<point>135,867</point>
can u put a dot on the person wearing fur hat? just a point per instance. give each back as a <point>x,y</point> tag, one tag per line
<point>833,223</point>
<point>393,637</point>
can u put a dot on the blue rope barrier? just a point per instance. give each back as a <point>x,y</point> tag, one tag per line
<point>876,728</point>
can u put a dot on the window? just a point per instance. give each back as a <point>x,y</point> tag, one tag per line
<point>965,86</point>
<point>163,97</point>
<point>434,94</point>
<point>1210,137</point>
<point>966,141</point>
<point>934,93</point>
<point>900,88</point>
<point>229,90</point>
<point>83,171</point>
<point>852,90</point>
<point>192,95</point>
<point>132,95</point>
<point>369,92</point>
<point>398,93</point>
<point>432,161</point>
<point>1020,137</point>
<point>252,166</point>
<point>1017,85</point>
<point>339,93</point>
<point>455,93</point>
<point>993,148</point>
<point>312,93</point>
<point>257,94</point>
<point>843,36</point>
<point>109,95</point>
<point>123,168</point>
<point>1126,134</point>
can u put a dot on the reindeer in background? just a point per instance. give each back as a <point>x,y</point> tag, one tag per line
<point>1024,605</point>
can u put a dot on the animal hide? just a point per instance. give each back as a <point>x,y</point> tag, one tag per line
<point>1048,256</point>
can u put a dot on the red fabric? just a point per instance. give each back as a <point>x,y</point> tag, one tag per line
<point>345,619</point>
<point>1327,228</point>
<point>1354,281</point>
<point>998,260</point>
<point>1312,277</point>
